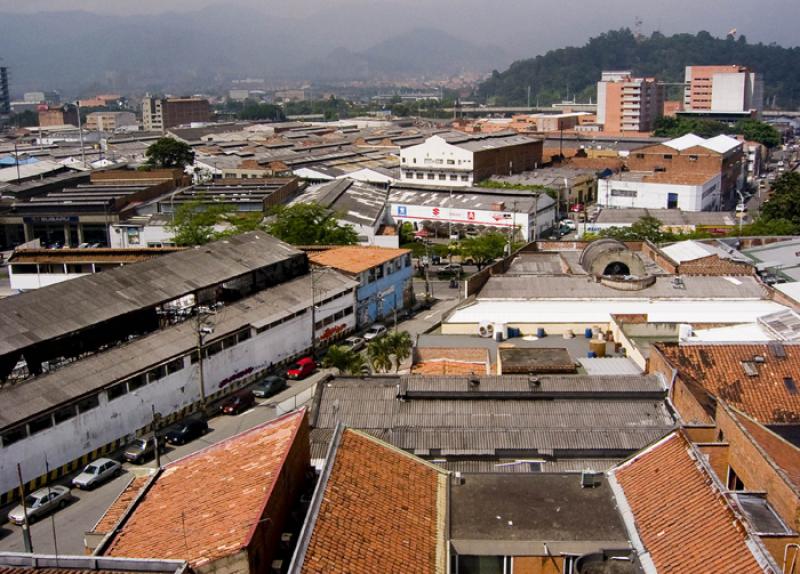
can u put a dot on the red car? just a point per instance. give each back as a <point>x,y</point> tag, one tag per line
<point>576,207</point>
<point>238,403</point>
<point>301,369</point>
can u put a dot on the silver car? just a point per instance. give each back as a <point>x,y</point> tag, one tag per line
<point>353,343</point>
<point>96,473</point>
<point>40,503</point>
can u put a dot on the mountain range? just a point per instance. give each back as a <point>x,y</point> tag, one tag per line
<point>80,52</point>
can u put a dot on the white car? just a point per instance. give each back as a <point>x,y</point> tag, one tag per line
<point>40,503</point>
<point>353,343</point>
<point>374,332</point>
<point>96,473</point>
<point>568,223</point>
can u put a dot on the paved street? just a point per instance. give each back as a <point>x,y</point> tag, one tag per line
<point>88,506</point>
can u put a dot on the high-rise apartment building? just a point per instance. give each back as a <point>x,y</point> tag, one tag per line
<point>628,104</point>
<point>159,114</point>
<point>723,89</point>
<point>5,93</point>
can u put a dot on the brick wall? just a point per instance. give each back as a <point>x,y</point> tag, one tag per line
<point>693,409</point>
<point>755,470</point>
<point>717,454</point>
<point>713,265</point>
<point>523,157</point>
<point>652,252</point>
<point>289,486</point>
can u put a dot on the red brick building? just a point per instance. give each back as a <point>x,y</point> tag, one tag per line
<point>223,507</point>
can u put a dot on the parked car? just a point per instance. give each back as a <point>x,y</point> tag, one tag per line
<point>141,450</point>
<point>238,403</point>
<point>301,369</point>
<point>566,222</point>
<point>354,343</point>
<point>96,473</point>
<point>375,331</point>
<point>40,503</point>
<point>421,235</point>
<point>452,270</point>
<point>186,431</point>
<point>269,386</point>
<point>576,207</point>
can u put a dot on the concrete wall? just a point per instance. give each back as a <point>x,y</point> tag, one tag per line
<point>122,417</point>
<point>649,195</point>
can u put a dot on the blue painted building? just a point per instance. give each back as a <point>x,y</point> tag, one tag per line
<point>384,277</point>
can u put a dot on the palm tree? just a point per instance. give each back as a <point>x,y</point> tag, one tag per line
<point>357,365</point>
<point>400,344</point>
<point>380,354</point>
<point>339,358</point>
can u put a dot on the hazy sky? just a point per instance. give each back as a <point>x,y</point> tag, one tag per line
<point>519,26</point>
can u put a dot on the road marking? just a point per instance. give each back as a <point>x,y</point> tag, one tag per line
<point>426,317</point>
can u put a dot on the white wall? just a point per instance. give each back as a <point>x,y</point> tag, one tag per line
<point>435,156</point>
<point>729,92</point>
<point>126,236</point>
<point>31,281</point>
<point>123,416</point>
<point>703,197</point>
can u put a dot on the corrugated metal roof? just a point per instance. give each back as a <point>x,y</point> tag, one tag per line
<point>488,427</point>
<point>72,381</point>
<point>66,307</point>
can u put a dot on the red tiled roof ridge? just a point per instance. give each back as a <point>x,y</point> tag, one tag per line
<point>633,485</point>
<point>196,454</point>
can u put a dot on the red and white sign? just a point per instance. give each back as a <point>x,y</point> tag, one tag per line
<point>436,211</point>
<point>471,215</point>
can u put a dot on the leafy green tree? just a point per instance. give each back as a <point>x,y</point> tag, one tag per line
<point>400,344</point>
<point>763,226</point>
<point>676,127</point>
<point>380,352</point>
<point>194,222</point>
<point>252,110</point>
<point>784,204</point>
<point>168,152</point>
<point>645,228</point>
<point>344,360</point>
<point>309,224</point>
<point>484,248</point>
<point>763,133</point>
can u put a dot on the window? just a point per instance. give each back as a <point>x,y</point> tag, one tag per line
<point>40,424</point>
<point>64,414</point>
<point>570,565</point>
<point>623,193</point>
<point>442,176</point>
<point>692,158</point>
<point>420,175</point>
<point>453,177</point>
<point>667,156</point>
<point>213,348</point>
<point>243,335</point>
<point>734,482</point>
<point>451,162</point>
<point>195,356</point>
<point>483,564</point>
<point>464,178</point>
<point>639,156</point>
<point>379,271</point>
<point>174,366</point>
<point>229,341</point>
<point>14,435</point>
<point>89,403</point>
<point>414,160</point>
<point>438,162</point>
<point>117,391</point>
<point>155,374</point>
<point>136,382</point>
<point>18,269</point>
<point>431,176</point>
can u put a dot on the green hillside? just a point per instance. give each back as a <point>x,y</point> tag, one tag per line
<point>574,72</point>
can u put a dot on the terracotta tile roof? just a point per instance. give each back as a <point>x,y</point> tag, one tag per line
<point>463,354</point>
<point>109,520</point>
<point>719,370</point>
<point>451,361</point>
<point>383,510</point>
<point>682,521</point>
<point>203,507</point>
<point>783,453</point>
<point>354,259</point>
<point>445,367</point>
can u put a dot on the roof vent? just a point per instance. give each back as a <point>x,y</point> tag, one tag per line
<point>759,359</point>
<point>591,479</point>
<point>474,381</point>
<point>777,350</point>
<point>750,369</point>
<point>534,383</point>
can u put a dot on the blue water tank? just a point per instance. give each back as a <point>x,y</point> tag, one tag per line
<point>591,354</point>
<point>540,332</point>
<point>588,333</point>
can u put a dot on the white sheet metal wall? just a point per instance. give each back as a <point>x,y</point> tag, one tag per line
<point>122,417</point>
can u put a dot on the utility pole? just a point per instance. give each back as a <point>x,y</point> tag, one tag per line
<point>202,330</point>
<point>80,132</point>
<point>16,160</point>
<point>156,446</point>
<point>450,228</point>
<point>428,291</point>
<point>52,515</point>
<point>313,312</point>
<point>26,526</point>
